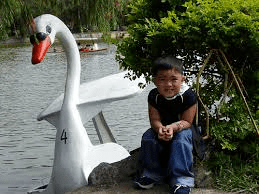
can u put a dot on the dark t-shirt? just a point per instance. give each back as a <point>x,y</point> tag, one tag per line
<point>170,110</point>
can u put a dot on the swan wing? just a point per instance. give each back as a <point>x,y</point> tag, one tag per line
<point>95,95</point>
<point>104,91</point>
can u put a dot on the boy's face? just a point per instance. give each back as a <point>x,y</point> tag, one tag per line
<point>168,82</point>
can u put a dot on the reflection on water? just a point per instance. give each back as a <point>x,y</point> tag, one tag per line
<point>27,145</point>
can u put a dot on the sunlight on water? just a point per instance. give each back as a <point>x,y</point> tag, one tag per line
<point>27,145</point>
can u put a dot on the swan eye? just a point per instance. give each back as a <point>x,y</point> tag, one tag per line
<point>48,29</point>
<point>36,38</point>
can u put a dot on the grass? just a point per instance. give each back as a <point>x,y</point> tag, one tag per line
<point>233,174</point>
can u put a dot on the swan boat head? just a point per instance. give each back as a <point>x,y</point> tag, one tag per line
<point>74,156</point>
<point>42,37</point>
<point>44,29</point>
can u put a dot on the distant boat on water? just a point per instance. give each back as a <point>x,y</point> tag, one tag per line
<point>91,48</point>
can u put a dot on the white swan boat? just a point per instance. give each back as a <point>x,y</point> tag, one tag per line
<point>75,156</point>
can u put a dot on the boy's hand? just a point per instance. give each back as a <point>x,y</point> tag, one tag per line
<point>169,134</point>
<point>165,133</point>
<point>173,127</point>
<point>161,132</point>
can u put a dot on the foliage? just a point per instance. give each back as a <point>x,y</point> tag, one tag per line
<point>79,15</point>
<point>230,123</point>
<point>189,30</point>
<point>9,22</point>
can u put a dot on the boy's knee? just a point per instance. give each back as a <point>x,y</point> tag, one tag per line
<point>184,135</point>
<point>149,134</point>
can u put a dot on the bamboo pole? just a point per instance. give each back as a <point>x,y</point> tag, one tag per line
<point>207,118</point>
<point>240,90</point>
<point>198,95</point>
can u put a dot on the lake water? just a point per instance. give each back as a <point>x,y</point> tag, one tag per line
<point>27,145</point>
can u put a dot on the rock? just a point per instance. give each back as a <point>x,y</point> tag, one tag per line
<point>104,174</point>
<point>110,174</point>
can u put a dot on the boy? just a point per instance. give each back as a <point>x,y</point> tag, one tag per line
<point>166,148</point>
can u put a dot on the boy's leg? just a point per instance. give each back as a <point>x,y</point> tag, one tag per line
<point>181,159</point>
<point>149,157</point>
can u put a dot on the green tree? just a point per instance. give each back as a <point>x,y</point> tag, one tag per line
<point>79,15</point>
<point>9,11</point>
<point>191,29</point>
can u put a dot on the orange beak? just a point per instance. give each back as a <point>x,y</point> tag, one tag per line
<point>39,50</point>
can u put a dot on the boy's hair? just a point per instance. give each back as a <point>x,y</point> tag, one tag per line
<point>165,63</point>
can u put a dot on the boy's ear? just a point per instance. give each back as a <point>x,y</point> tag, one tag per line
<point>183,78</point>
<point>154,80</point>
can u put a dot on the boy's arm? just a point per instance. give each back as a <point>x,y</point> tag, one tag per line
<point>154,118</point>
<point>188,116</point>
<point>186,119</point>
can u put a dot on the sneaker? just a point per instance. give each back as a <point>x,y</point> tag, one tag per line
<point>180,189</point>
<point>145,182</point>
